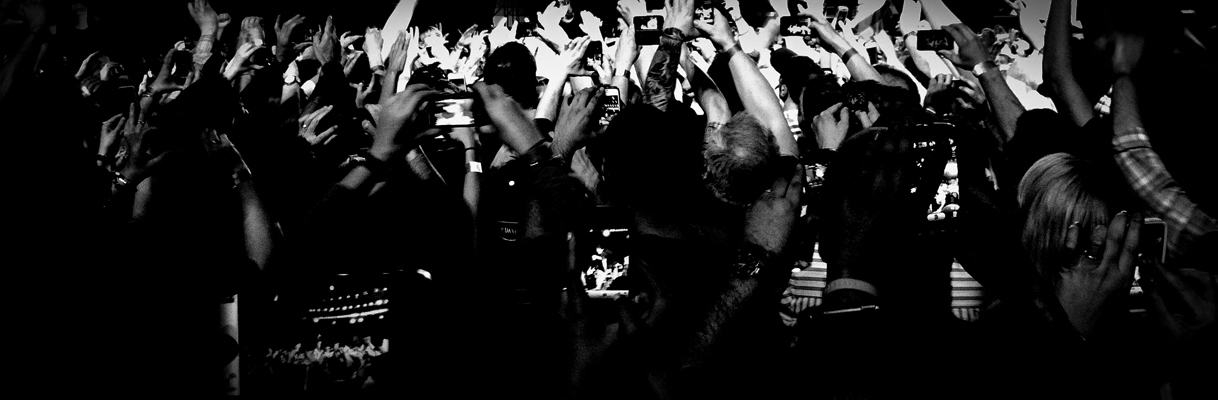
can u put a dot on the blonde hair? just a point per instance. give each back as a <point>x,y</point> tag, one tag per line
<point>1057,191</point>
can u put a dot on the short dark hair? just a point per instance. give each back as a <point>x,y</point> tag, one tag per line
<point>740,160</point>
<point>513,67</point>
<point>890,76</point>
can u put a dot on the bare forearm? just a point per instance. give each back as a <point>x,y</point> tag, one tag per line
<point>547,106</point>
<point>389,84</point>
<point>1125,113</point>
<point>1007,108</point>
<point>662,75</point>
<point>760,100</point>
<point>260,232</point>
<point>1059,68</point>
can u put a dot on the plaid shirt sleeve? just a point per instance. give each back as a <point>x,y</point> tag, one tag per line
<point>1155,186</point>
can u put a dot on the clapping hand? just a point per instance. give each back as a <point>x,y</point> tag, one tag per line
<point>395,114</point>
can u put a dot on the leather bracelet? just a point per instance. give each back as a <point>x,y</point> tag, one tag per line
<point>731,51</point>
<point>849,54</point>
<point>471,148</point>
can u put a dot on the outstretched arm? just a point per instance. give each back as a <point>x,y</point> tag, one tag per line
<point>759,100</point>
<point>1059,69</point>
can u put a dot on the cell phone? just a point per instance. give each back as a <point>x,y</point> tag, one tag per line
<point>873,54</point>
<point>945,204</point>
<point>454,110</point>
<point>605,252</point>
<point>611,30</point>
<point>183,63</point>
<point>1153,239</point>
<point>797,26</point>
<point>526,27</point>
<point>934,40</point>
<point>458,80</point>
<point>262,56</point>
<point>647,29</point>
<point>706,10</point>
<point>611,104</point>
<point>595,50</point>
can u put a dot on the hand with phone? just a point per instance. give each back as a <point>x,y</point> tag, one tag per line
<point>575,120</point>
<point>971,49</point>
<point>400,109</point>
<point>1102,270</point>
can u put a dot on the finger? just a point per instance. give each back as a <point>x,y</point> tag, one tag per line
<point>1072,237</point>
<point>832,110</point>
<point>843,116</point>
<point>326,134</point>
<point>112,120</point>
<point>872,113</point>
<point>369,128</point>
<point>1129,252</point>
<point>1098,233</point>
<point>1114,240</point>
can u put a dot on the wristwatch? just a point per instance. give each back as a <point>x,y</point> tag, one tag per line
<point>983,67</point>
<point>750,261</point>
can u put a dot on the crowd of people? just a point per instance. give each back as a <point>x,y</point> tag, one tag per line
<point>1020,174</point>
<point>337,369</point>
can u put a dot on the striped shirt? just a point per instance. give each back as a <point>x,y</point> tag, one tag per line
<point>807,285</point>
<point>1155,186</point>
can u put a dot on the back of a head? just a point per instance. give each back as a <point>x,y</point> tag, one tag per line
<point>890,76</point>
<point>1057,191</point>
<point>741,159</point>
<point>513,67</point>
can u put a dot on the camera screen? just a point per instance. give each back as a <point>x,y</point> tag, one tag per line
<point>454,112</point>
<point>796,26</point>
<point>946,202</point>
<point>611,105</point>
<point>604,269</point>
<point>932,40</point>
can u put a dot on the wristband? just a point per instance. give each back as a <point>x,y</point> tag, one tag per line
<point>849,53</point>
<point>982,67</point>
<point>473,166</point>
<point>731,51</point>
<point>364,158</point>
<point>847,283</point>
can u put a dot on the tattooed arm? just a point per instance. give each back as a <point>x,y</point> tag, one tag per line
<point>662,75</point>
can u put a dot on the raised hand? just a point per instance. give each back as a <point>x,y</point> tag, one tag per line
<point>283,30</point>
<point>400,109</point>
<point>399,54</point>
<point>325,43</point>
<point>634,7</point>
<point>720,33</point>
<point>572,129</point>
<point>502,34</point>
<point>572,56</point>
<point>591,25</point>
<point>362,92</point>
<point>110,132</point>
<point>468,36</point>
<point>348,39</point>
<point>238,64</point>
<point>204,16</point>
<point>252,31</point>
<point>373,43</point>
<point>552,15</point>
<point>831,126</point>
<point>139,161</point>
<point>413,51</point>
<point>514,127</point>
<point>163,82</point>
<point>222,21</point>
<point>680,14</point>
<point>308,127</point>
<point>971,50</point>
<point>1093,285</point>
